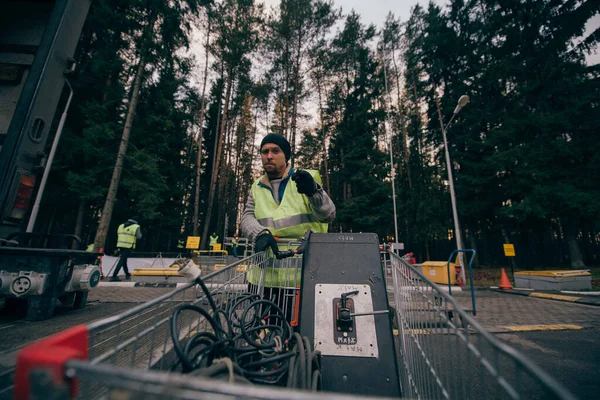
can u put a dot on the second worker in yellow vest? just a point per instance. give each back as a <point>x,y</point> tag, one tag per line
<point>214,240</point>
<point>279,207</point>
<point>127,237</point>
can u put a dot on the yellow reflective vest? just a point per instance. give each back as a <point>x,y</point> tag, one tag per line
<point>290,219</point>
<point>126,236</point>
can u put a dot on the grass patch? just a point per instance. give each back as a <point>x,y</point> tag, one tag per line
<point>486,277</point>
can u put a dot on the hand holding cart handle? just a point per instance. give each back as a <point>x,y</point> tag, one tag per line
<point>290,253</point>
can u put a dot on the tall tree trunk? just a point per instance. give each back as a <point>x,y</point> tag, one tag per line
<point>293,123</point>
<point>267,113</point>
<point>102,231</point>
<point>401,120</point>
<point>107,85</point>
<point>296,91</point>
<point>471,237</point>
<point>225,175</point>
<point>217,157</point>
<point>79,222</point>
<point>571,230</point>
<point>200,124</point>
<point>216,138</point>
<point>286,121</point>
<point>324,136</point>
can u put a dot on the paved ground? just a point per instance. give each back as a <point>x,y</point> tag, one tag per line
<point>571,357</point>
<point>562,338</point>
<point>116,294</point>
<point>16,333</point>
<point>496,311</point>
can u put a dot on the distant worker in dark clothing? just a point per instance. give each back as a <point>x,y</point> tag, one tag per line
<point>127,236</point>
<point>234,245</point>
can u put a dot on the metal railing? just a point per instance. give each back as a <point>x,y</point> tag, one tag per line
<point>444,353</point>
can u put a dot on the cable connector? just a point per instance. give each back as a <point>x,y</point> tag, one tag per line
<point>189,270</point>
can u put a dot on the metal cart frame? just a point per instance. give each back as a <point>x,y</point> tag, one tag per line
<point>442,351</point>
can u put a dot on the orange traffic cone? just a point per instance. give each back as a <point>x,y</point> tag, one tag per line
<point>504,282</point>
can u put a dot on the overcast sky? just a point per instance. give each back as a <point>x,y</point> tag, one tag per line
<point>371,11</point>
<point>375,11</point>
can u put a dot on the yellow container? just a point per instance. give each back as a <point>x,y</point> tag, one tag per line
<point>437,271</point>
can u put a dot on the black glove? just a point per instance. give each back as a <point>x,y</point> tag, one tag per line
<point>264,241</point>
<point>305,182</point>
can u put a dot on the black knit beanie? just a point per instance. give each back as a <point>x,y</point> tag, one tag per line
<point>280,141</point>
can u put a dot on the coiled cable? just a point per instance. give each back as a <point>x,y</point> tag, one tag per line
<point>249,340</point>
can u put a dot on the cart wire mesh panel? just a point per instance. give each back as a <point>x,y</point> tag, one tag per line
<point>445,354</point>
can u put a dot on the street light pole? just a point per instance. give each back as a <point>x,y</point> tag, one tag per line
<point>464,99</point>
<point>393,170</point>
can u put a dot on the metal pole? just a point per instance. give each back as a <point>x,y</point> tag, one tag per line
<point>225,230</point>
<point>393,170</point>
<point>459,244</point>
<point>40,193</point>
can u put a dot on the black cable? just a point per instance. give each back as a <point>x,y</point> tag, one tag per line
<point>279,314</point>
<point>317,382</point>
<point>212,303</point>
<point>269,360</point>
<point>186,363</point>
<point>258,343</point>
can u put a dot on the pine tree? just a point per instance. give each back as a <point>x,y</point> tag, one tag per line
<point>236,23</point>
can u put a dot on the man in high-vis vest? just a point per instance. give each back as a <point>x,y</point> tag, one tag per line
<point>283,203</point>
<point>127,236</point>
<point>214,240</point>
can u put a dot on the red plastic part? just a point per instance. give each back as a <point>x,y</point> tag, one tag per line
<point>100,261</point>
<point>296,319</point>
<point>51,354</point>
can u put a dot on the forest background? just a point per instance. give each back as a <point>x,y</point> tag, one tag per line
<point>172,96</point>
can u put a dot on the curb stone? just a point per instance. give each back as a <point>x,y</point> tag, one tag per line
<point>553,296</point>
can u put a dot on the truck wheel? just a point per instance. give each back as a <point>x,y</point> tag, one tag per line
<point>40,308</point>
<point>80,299</point>
<point>67,300</point>
<point>15,307</point>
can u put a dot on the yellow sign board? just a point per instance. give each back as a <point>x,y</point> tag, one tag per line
<point>193,242</point>
<point>509,250</point>
<point>217,246</point>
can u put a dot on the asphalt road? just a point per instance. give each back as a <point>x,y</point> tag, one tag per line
<point>571,357</point>
<point>17,333</point>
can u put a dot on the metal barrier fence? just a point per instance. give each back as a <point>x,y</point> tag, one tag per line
<point>210,258</point>
<point>445,354</point>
